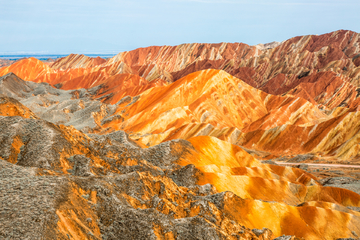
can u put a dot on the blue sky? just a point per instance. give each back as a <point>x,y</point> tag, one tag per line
<point>111,26</point>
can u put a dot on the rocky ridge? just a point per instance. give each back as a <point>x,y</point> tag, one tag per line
<point>308,63</point>
<point>163,142</point>
<point>65,184</point>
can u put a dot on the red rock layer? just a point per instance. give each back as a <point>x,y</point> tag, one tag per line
<point>220,106</point>
<point>326,88</point>
<point>108,77</point>
<point>336,137</point>
<point>280,69</point>
<point>113,89</point>
<point>275,70</point>
<point>214,103</point>
<point>77,61</point>
<point>169,59</point>
<point>212,98</point>
<point>114,174</point>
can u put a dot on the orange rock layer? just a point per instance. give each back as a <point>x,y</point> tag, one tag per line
<point>276,70</point>
<point>296,97</point>
<point>103,183</point>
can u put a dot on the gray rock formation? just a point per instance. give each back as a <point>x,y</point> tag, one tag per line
<point>75,108</point>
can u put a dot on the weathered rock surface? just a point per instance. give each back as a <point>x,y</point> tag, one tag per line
<point>157,161</point>
<point>323,69</point>
<point>76,108</point>
<point>209,102</point>
<point>343,182</point>
<point>77,61</point>
<point>58,183</point>
<point>6,62</point>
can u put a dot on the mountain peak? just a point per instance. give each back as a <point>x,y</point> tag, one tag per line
<point>195,141</point>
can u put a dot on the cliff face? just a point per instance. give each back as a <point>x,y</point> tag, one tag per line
<point>165,142</point>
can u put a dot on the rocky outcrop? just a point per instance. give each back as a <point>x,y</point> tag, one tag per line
<point>76,108</point>
<point>64,184</point>
<point>146,146</point>
<point>77,61</point>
